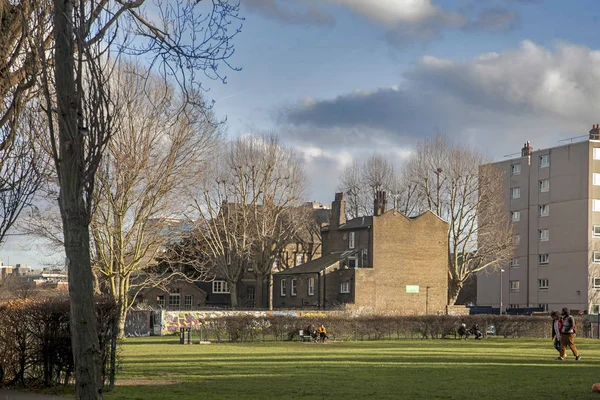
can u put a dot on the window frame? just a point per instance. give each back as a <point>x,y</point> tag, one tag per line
<point>596,153</point>
<point>543,306</point>
<point>515,262</point>
<point>517,214</point>
<point>293,287</point>
<point>595,179</point>
<point>595,257</point>
<point>160,301</point>
<point>355,261</point>
<point>220,287</point>
<point>514,286</point>
<point>351,240</point>
<point>311,287</point>
<point>545,157</point>
<point>515,169</point>
<point>187,306</point>
<point>543,259</point>
<point>543,280</point>
<point>515,192</point>
<point>541,209</point>
<point>544,185</point>
<point>251,289</point>
<point>282,288</point>
<point>542,237</point>
<point>594,234</point>
<point>345,287</point>
<point>596,285</point>
<point>595,205</point>
<point>516,239</point>
<point>300,257</point>
<point>175,295</point>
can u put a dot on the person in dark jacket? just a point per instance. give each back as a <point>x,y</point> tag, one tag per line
<point>557,324</point>
<point>567,335</point>
<point>476,332</point>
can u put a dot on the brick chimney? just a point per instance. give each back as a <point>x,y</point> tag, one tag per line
<point>380,203</point>
<point>338,211</point>
<point>595,132</point>
<point>526,150</point>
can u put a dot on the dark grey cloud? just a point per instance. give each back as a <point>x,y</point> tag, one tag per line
<point>496,19</point>
<point>290,12</point>
<point>494,101</point>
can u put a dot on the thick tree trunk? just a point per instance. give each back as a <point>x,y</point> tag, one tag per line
<point>84,337</point>
<point>233,295</point>
<point>259,299</point>
<point>454,288</point>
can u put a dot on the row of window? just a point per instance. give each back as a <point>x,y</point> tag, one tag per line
<point>543,236</point>
<point>543,284</point>
<point>543,185</point>
<point>543,211</point>
<point>544,259</point>
<point>515,169</point>
<point>344,287</point>
<point>175,301</point>
<point>542,306</point>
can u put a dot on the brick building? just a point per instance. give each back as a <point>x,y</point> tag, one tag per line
<point>384,262</point>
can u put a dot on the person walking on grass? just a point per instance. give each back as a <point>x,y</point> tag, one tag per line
<point>557,324</point>
<point>567,335</point>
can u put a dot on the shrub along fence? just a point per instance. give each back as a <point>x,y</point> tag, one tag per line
<point>249,328</point>
<point>35,342</point>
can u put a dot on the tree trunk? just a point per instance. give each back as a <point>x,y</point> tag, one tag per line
<point>122,320</point>
<point>233,294</point>
<point>259,302</point>
<point>454,288</point>
<point>84,337</point>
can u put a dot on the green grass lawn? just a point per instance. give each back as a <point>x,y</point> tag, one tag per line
<point>161,368</point>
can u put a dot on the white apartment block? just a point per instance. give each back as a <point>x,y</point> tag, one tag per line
<point>553,196</point>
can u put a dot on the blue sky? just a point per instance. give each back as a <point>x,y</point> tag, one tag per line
<point>340,79</point>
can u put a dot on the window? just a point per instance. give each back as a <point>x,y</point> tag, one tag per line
<point>351,242</point>
<point>365,258</point>
<point>596,283</point>
<point>596,257</point>
<point>160,301</point>
<point>514,306</point>
<point>294,287</point>
<point>250,268</point>
<point>595,308</point>
<point>596,179</point>
<point>251,292</point>
<point>515,216</point>
<point>545,161</point>
<point>220,287</point>
<point>596,205</point>
<point>543,259</point>
<point>596,153</point>
<point>311,286</point>
<point>514,286</point>
<point>544,185</point>
<point>351,262</point>
<point>515,169</point>
<point>596,231</point>
<point>345,287</point>
<point>514,263</point>
<point>188,301</point>
<point>543,306</point>
<point>515,193</point>
<point>516,239</point>
<point>544,235</point>
<point>282,288</point>
<point>299,259</point>
<point>175,298</point>
<point>544,210</point>
<point>543,284</point>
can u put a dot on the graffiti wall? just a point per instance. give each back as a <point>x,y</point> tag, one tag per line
<point>138,323</point>
<point>172,321</point>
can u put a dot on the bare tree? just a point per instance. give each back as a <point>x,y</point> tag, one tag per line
<point>458,184</point>
<point>351,183</point>
<point>249,210</point>
<point>179,39</point>
<point>158,148</point>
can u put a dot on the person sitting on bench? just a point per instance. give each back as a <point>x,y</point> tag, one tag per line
<point>462,331</point>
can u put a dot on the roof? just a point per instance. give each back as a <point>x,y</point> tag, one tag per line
<point>358,223</point>
<point>318,265</point>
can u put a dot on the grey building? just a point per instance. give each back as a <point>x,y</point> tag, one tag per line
<point>553,196</point>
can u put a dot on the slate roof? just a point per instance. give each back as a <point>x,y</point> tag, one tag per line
<point>318,265</point>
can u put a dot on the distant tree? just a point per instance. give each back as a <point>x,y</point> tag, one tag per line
<point>460,185</point>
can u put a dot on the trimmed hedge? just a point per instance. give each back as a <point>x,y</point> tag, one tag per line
<point>35,341</point>
<point>279,328</point>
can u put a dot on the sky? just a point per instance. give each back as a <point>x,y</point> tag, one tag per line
<point>340,79</point>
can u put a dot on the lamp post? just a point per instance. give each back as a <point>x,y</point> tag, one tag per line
<point>501,271</point>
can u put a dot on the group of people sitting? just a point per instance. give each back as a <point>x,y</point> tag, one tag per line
<point>474,331</point>
<point>319,334</point>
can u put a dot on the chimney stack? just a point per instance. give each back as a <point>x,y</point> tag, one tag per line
<point>338,211</point>
<point>595,132</point>
<point>526,150</point>
<point>380,203</point>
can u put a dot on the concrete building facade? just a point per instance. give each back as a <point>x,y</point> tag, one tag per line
<point>553,196</point>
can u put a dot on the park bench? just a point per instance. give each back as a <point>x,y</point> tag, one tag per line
<point>305,336</point>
